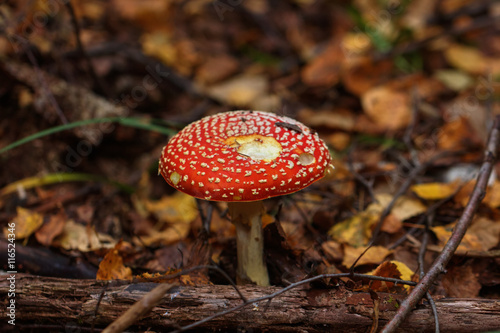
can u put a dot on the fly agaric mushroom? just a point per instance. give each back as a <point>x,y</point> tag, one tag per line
<point>242,158</point>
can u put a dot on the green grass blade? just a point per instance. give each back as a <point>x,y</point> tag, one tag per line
<point>142,123</point>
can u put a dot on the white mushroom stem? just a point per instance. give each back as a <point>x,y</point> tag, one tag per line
<point>246,217</point>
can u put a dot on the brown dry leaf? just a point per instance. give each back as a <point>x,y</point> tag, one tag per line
<point>435,191</point>
<point>50,230</point>
<point>492,198</point>
<point>112,267</point>
<point>463,195</point>
<point>177,212</point>
<point>456,135</point>
<point>342,119</point>
<point>333,250</point>
<point>338,140</point>
<point>375,255</point>
<point>391,269</point>
<point>216,69</point>
<point>387,107</point>
<point>324,70</point>
<point>245,91</point>
<point>404,208</point>
<point>27,222</point>
<point>391,224</point>
<point>468,243</point>
<point>471,60</point>
<point>461,282</point>
<point>486,231</point>
<point>362,75</point>
<point>78,237</point>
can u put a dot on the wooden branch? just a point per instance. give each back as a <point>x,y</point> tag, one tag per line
<point>60,304</point>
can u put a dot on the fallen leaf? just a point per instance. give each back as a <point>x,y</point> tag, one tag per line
<point>324,70</point>
<point>487,232</point>
<point>387,107</point>
<point>26,222</point>
<point>112,267</point>
<point>341,119</point>
<point>375,255</point>
<point>356,230</point>
<point>216,69</point>
<point>78,237</point>
<point>391,269</point>
<point>435,191</point>
<point>176,212</point>
<point>461,282</point>
<point>453,79</point>
<point>404,207</point>
<point>333,250</point>
<point>457,135</point>
<point>244,91</point>
<point>50,230</point>
<point>391,224</point>
<point>468,243</point>
<point>363,74</point>
<point>471,60</point>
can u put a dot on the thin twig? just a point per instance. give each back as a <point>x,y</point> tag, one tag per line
<point>291,286</point>
<point>449,249</point>
<point>82,50</point>
<point>421,260</point>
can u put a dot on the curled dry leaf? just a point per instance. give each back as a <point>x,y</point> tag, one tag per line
<point>112,267</point>
<point>391,269</point>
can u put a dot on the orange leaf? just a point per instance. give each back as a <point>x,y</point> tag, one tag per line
<point>111,267</point>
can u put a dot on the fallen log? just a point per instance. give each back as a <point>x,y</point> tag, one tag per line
<point>44,303</point>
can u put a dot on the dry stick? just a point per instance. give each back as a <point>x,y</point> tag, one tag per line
<point>420,259</point>
<point>81,49</point>
<point>139,309</point>
<point>368,185</point>
<point>415,102</point>
<point>459,231</point>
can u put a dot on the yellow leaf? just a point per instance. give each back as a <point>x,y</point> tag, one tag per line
<point>468,243</point>
<point>434,191</point>
<point>177,212</point>
<point>391,269</point>
<point>471,60</point>
<point>375,255</point>
<point>355,231</point>
<point>26,223</point>
<point>404,208</point>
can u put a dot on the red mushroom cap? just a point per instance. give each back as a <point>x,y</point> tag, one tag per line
<point>243,156</point>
